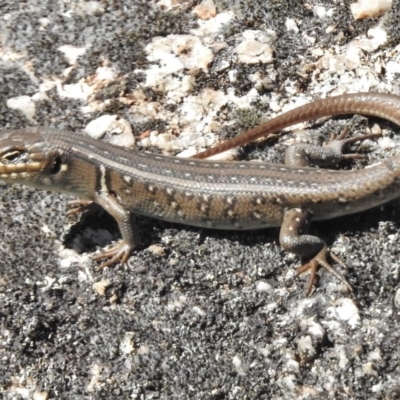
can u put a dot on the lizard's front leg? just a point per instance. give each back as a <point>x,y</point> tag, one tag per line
<point>127,226</point>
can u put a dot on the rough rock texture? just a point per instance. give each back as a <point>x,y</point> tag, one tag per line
<point>195,314</point>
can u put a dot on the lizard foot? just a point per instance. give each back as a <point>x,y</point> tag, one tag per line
<point>343,141</point>
<point>318,261</point>
<point>79,206</point>
<point>119,253</point>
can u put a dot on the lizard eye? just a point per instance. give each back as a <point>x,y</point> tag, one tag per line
<point>12,156</point>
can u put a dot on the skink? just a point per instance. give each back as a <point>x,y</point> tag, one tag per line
<point>210,194</point>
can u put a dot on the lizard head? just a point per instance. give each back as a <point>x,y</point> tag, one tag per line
<point>25,157</point>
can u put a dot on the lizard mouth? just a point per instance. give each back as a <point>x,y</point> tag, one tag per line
<point>14,171</point>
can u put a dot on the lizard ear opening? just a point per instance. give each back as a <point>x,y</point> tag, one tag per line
<point>57,165</point>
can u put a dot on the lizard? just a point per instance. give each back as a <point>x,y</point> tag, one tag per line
<point>213,194</point>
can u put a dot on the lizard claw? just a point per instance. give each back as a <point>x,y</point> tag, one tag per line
<point>119,253</point>
<point>79,206</point>
<point>318,261</point>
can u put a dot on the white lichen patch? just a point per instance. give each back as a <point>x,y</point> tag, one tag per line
<point>205,10</point>
<point>255,48</point>
<point>174,54</point>
<point>112,124</point>
<point>78,91</point>
<point>72,53</point>
<point>370,9</point>
<point>24,104</point>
